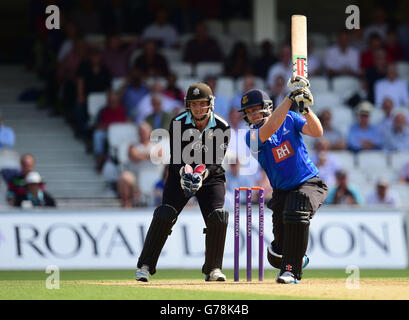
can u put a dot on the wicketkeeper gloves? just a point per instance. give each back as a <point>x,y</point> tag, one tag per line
<point>191,180</point>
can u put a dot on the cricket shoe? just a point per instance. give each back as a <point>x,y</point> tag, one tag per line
<point>287,277</point>
<point>215,275</point>
<point>142,274</point>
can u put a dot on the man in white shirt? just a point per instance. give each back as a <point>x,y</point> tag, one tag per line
<point>393,87</point>
<point>342,59</point>
<point>383,195</point>
<point>161,31</point>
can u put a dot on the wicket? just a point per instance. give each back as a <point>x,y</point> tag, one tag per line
<point>248,232</point>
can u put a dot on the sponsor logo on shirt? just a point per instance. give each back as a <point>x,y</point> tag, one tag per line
<point>283,151</point>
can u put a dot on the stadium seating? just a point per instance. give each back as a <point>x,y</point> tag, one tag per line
<point>403,69</point>
<point>399,159</point>
<point>96,101</point>
<point>147,179</point>
<point>343,86</point>
<point>372,161</point>
<point>346,159</point>
<point>134,55</point>
<point>239,27</point>
<point>326,100</point>
<point>225,86</point>
<point>204,69</point>
<point>118,133</point>
<point>9,159</point>
<point>172,55</point>
<point>260,84</point>
<point>214,27</point>
<point>342,119</point>
<point>184,83</point>
<point>181,69</point>
<point>117,83</point>
<point>319,84</point>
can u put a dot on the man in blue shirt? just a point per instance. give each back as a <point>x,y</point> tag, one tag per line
<point>275,140</point>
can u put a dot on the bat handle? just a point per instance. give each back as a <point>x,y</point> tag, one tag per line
<point>301,106</point>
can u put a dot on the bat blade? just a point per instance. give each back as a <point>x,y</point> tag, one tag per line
<point>299,45</point>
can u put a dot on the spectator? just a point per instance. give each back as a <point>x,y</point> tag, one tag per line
<point>164,34</point>
<point>114,112</point>
<point>281,68</point>
<point>159,119</point>
<point>385,124</point>
<point>132,91</point>
<point>7,137</point>
<point>221,104</point>
<point>382,195</point>
<point>66,76</point>
<point>150,62</point>
<point>378,26</point>
<point>378,71</point>
<point>397,137</point>
<point>139,156</point>
<point>116,55</point>
<point>342,59</point>
<point>362,135</point>
<point>360,94</point>
<point>35,195</point>
<point>279,90</point>
<point>236,180</point>
<point>202,47</point>
<point>393,87</point>
<point>343,193</point>
<point>15,179</point>
<point>172,90</point>
<point>92,76</point>
<point>404,174</point>
<point>145,107</point>
<point>393,48</point>
<point>238,62</point>
<point>334,136</point>
<point>367,57</point>
<point>71,35</point>
<point>325,161</point>
<point>249,82</point>
<point>266,59</point>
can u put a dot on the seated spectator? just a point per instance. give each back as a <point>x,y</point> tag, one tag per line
<point>164,34</point>
<point>343,193</point>
<point>342,59</point>
<point>393,48</point>
<point>151,62</point>
<point>362,135</point>
<point>132,91</point>
<point>7,137</point>
<point>367,57</point>
<point>139,156</point>
<point>221,104</point>
<point>145,108</point>
<point>202,47</point>
<point>382,195</point>
<point>15,179</point>
<point>35,195</point>
<point>265,60</point>
<point>114,112</point>
<point>279,91</point>
<point>71,35</point>
<point>375,73</point>
<point>172,90</point>
<point>92,76</point>
<point>325,161</point>
<point>335,138</point>
<point>360,94</point>
<point>249,82</point>
<point>67,72</point>
<point>378,25</point>
<point>404,174</point>
<point>385,124</point>
<point>397,137</point>
<point>392,86</point>
<point>158,119</point>
<point>237,63</point>
<point>281,68</point>
<point>117,54</point>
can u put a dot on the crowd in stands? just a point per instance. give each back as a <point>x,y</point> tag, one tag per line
<point>74,65</point>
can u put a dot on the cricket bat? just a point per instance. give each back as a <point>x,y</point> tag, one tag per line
<point>299,47</point>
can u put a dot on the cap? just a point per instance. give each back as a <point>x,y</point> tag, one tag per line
<point>382,182</point>
<point>33,177</point>
<point>199,91</point>
<point>364,107</point>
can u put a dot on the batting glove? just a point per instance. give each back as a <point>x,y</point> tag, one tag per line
<point>297,83</point>
<point>303,98</point>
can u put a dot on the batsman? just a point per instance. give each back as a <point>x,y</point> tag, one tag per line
<point>198,141</point>
<point>275,140</point>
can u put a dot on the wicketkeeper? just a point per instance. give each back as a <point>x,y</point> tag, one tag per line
<point>275,139</point>
<point>198,141</point>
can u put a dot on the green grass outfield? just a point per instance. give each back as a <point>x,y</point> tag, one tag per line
<point>16,285</point>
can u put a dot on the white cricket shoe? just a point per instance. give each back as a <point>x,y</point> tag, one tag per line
<point>215,275</point>
<point>142,274</point>
<point>286,278</point>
